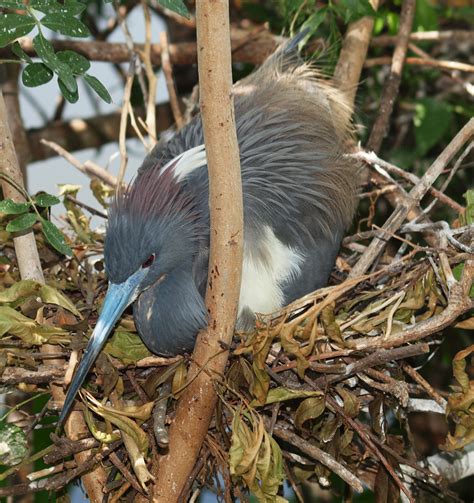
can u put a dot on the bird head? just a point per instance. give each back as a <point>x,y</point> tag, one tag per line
<point>151,231</point>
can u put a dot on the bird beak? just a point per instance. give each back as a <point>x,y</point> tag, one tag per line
<point>118,297</point>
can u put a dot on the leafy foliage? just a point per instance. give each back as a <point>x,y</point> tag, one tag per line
<point>27,219</point>
<point>61,18</point>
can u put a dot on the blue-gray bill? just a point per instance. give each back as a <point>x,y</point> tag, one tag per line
<point>118,297</point>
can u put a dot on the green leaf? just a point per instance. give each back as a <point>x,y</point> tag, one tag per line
<point>66,25</point>
<point>20,53</point>
<point>21,223</point>
<point>13,26</point>
<point>50,295</point>
<point>311,408</point>
<point>74,8</point>
<point>36,74</point>
<point>98,87</point>
<point>70,7</point>
<point>314,21</point>
<point>45,200</point>
<point>355,9</point>
<point>46,52</point>
<point>281,394</point>
<point>72,97</point>
<point>19,290</point>
<point>78,63</point>
<point>426,16</point>
<point>177,6</point>
<point>457,273</point>
<point>47,293</point>
<point>432,120</point>
<point>13,446</point>
<point>126,346</point>
<point>30,332</point>
<point>55,237</point>
<point>9,207</point>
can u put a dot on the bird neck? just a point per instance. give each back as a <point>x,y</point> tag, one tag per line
<point>170,313</point>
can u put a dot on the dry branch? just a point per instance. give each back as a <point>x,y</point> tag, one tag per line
<point>429,62</point>
<point>254,50</point>
<point>392,85</point>
<point>78,134</point>
<point>197,404</point>
<point>317,454</point>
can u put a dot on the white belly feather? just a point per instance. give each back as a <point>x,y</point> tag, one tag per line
<point>267,265</point>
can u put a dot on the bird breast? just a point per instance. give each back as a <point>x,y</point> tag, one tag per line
<point>268,265</point>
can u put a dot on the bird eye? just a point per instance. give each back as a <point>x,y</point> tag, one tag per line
<point>149,261</point>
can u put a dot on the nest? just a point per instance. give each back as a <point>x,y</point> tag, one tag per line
<point>315,389</point>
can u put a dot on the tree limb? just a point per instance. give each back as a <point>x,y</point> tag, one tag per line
<point>197,403</point>
<point>353,54</point>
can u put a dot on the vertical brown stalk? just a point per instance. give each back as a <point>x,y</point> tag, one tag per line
<point>197,404</point>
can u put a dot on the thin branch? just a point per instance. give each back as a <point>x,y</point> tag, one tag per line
<point>94,132</point>
<point>454,36</point>
<point>89,168</point>
<point>372,159</point>
<point>319,455</point>
<point>392,85</point>
<point>429,62</point>
<point>127,92</point>
<point>168,71</point>
<point>150,74</point>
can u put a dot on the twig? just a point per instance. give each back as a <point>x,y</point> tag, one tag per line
<point>424,384</point>
<point>390,91</point>
<point>372,159</point>
<point>432,63</point>
<point>85,206</point>
<point>124,119</point>
<point>159,416</point>
<point>58,481</point>
<point>94,132</point>
<point>416,194</point>
<point>357,427</point>
<point>319,455</point>
<point>146,58</point>
<point>454,36</point>
<point>129,477</point>
<point>64,448</point>
<point>41,375</point>
<point>88,168</point>
<point>373,360</point>
<point>168,71</point>
<point>25,245</point>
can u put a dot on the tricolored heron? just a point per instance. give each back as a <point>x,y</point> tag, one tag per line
<point>299,191</point>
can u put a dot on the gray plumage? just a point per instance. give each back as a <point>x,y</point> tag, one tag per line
<point>299,191</point>
<point>298,186</point>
